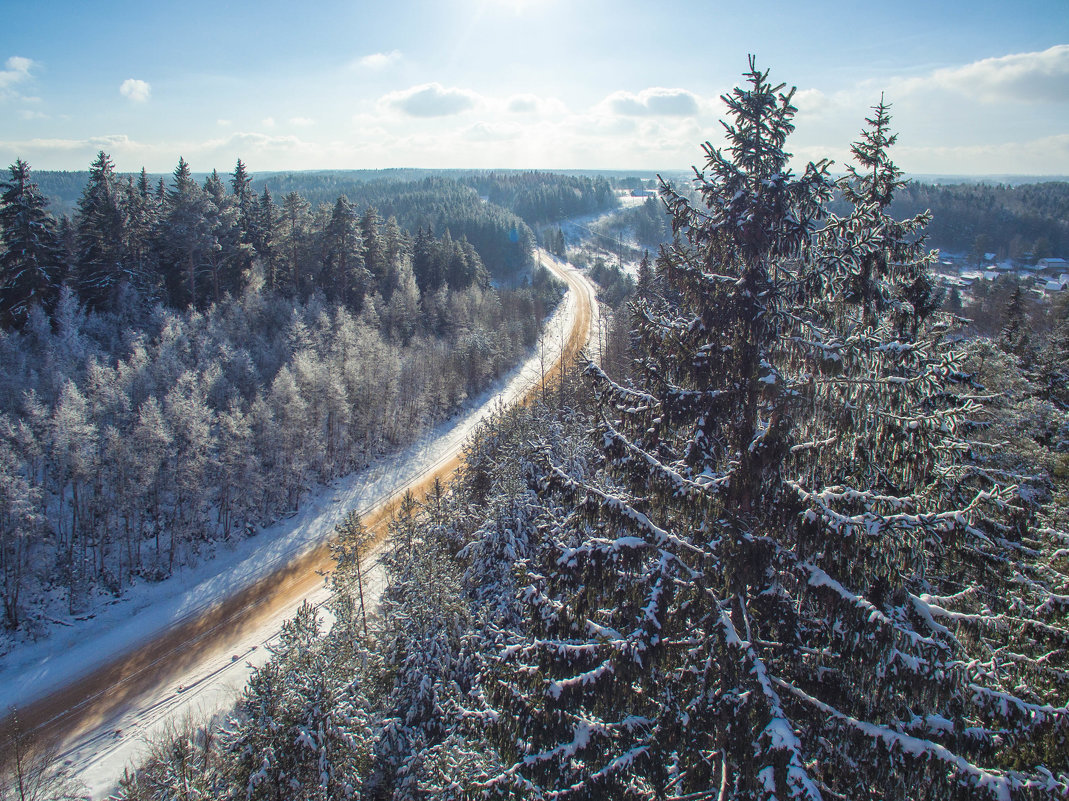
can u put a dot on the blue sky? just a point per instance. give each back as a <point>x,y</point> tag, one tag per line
<point>976,88</point>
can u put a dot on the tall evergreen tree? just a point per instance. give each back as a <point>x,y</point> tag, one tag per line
<point>294,225</point>
<point>375,255</point>
<point>31,255</point>
<point>100,268</point>
<point>265,235</point>
<point>759,596</point>
<point>426,263</point>
<point>142,214</point>
<point>344,276</point>
<point>186,237</point>
<point>228,255</point>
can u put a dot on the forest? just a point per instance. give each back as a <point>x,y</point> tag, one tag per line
<point>795,536</point>
<point>181,364</point>
<point>1024,223</point>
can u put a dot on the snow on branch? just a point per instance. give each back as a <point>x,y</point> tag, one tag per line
<point>681,485</point>
<point>778,732</point>
<point>995,784</point>
<point>619,506</point>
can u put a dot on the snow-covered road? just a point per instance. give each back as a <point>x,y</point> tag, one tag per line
<point>182,649</point>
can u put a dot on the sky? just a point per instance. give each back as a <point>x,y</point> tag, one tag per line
<point>977,88</point>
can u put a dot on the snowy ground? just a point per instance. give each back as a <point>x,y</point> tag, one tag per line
<point>99,754</point>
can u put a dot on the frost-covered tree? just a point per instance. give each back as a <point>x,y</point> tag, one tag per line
<point>228,255</point>
<point>780,584</point>
<point>20,521</point>
<point>302,731</point>
<point>421,641</point>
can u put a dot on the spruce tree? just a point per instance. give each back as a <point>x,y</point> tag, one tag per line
<point>100,267</point>
<point>776,586</point>
<point>345,278</point>
<point>31,255</point>
<point>186,237</point>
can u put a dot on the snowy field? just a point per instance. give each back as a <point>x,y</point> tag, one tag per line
<point>99,754</point>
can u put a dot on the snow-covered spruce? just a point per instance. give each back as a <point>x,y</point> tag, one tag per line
<point>790,580</point>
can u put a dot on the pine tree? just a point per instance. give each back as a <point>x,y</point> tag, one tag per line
<point>99,268</point>
<point>186,237</point>
<point>756,597</point>
<point>375,256</point>
<point>227,255</point>
<point>1014,336</point>
<point>142,215</point>
<point>294,225</point>
<point>424,619</point>
<point>241,188</point>
<point>264,235</point>
<point>31,256</point>
<point>426,263</point>
<point>302,732</point>
<point>349,579</point>
<point>344,276</point>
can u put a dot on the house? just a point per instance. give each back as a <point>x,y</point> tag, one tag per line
<point>1052,267</point>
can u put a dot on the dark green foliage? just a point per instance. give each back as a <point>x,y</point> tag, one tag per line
<point>31,258</point>
<point>1025,222</point>
<point>760,594</point>
<point>503,240</point>
<point>186,239</point>
<point>345,278</point>
<point>544,197</point>
<point>101,231</point>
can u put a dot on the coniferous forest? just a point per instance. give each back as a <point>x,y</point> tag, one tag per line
<point>795,536</point>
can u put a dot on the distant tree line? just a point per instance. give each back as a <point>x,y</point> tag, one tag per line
<point>502,239</point>
<point>540,197</point>
<point>1024,222</point>
<point>191,244</point>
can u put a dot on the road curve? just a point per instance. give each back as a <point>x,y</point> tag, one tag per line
<point>105,718</point>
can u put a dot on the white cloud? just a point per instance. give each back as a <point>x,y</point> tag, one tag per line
<point>253,142</point>
<point>491,132</point>
<point>45,145</point>
<point>1028,77</point>
<point>430,100</point>
<point>657,101</point>
<point>113,141</point>
<point>533,104</point>
<point>268,122</point>
<point>136,90</point>
<point>1041,156</point>
<point>16,69</point>
<point>31,114</point>
<point>302,122</point>
<point>160,156</point>
<point>223,123</point>
<point>812,103</point>
<point>377,61</point>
